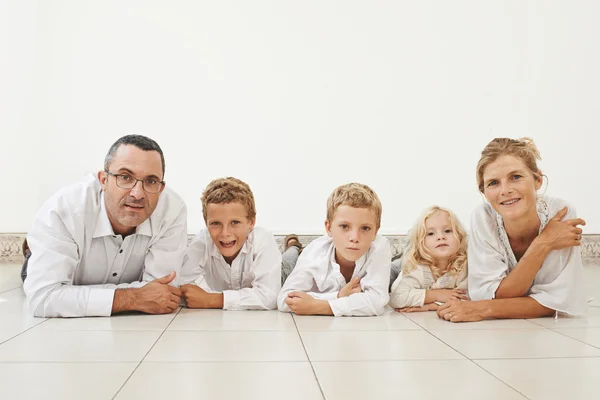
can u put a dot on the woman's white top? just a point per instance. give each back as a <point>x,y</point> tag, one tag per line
<point>558,284</point>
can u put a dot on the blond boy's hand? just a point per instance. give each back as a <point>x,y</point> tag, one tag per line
<point>350,288</point>
<point>304,304</point>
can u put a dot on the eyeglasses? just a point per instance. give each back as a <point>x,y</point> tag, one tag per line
<point>126,181</point>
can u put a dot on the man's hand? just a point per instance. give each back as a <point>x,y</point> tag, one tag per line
<point>196,297</point>
<point>157,297</point>
<point>350,288</point>
<point>304,304</point>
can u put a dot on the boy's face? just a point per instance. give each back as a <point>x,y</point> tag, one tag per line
<point>353,230</point>
<point>229,227</point>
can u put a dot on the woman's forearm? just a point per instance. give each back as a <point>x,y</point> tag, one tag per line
<point>520,279</point>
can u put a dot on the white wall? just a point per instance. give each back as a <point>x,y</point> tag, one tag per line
<point>298,97</point>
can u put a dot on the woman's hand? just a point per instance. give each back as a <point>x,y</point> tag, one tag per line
<point>463,311</point>
<point>559,234</point>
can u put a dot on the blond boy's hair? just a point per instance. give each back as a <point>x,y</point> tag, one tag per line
<point>354,195</point>
<point>417,253</point>
<point>523,149</point>
<point>228,190</point>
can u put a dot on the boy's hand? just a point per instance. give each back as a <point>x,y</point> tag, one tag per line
<point>304,304</point>
<point>350,288</point>
<point>446,295</point>
<point>196,297</point>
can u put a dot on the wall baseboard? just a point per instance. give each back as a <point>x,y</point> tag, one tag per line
<point>11,253</point>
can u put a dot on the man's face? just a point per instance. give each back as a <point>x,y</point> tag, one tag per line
<point>128,208</point>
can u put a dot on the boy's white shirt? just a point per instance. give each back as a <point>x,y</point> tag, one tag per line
<point>318,274</point>
<point>251,282</point>
<point>558,284</point>
<point>409,290</point>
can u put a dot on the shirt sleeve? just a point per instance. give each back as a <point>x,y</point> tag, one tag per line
<point>374,284</point>
<point>487,263</point>
<point>54,259</point>
<point>168,248</point>
<point>302,279</point>
<point>266,283</point>
<point>558,284</point>
<point>407,290</point>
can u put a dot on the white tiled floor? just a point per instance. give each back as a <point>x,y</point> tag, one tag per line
<point>271,355</point>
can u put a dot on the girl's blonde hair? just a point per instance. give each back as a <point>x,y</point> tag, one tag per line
<point>522,148</point>
<point>417,253</point>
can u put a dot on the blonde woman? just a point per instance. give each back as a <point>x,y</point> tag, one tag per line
<point>524,255</point>
<point>434,268</point>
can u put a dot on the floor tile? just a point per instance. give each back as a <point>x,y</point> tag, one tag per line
<point>375,345</point>
<point>590,319</point>
<point>228,346</point>
<point>250,380</point>
<point>549,379</point>
<point>142,322</point>
<point>38,345</point>
<point>390,320</point>
<point>62,380</point>
<point>430,320</point>
<point>435,380</point>
<point>232,320</point>
<point>10,277</point>
<point>523,343</point>
<point>587,335</point>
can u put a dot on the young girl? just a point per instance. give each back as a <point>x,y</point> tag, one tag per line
<point>434,268</point>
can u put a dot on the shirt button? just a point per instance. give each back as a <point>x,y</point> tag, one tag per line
<point>114,274</point>
<point>120,251</point>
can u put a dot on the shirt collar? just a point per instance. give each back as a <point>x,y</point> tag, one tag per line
<point>104,227</point>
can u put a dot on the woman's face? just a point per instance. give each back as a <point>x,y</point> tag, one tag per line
<point>510,187</point>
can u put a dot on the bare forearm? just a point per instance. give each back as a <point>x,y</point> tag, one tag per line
<point>431,296</point>
<point>520,307</point>
<point>124,300</point>
<point>518,282</point>
<point>322,307</point>
<point>214,300</point>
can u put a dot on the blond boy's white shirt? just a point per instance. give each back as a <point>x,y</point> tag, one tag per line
<point>251,282</point>
<point>410,289</point>
<point>317,274</point>
<point>77,261</point>
<point>558,284</point>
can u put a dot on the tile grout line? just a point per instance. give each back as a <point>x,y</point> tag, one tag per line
<point>470,360</point>
<point>20,333</point>
<point>308,357</point>
<point>146,355</point>
<point>578,340</point>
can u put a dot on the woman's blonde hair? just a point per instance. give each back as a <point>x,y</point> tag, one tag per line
<point>523,148</point>
<point>417,253</point>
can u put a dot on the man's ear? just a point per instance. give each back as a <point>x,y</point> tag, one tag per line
<point>102,178</point>
<point>328,227</point>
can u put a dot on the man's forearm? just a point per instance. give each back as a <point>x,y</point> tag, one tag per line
<point>124,300</point>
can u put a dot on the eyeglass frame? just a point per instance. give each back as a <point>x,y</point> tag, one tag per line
<point>162,183</point>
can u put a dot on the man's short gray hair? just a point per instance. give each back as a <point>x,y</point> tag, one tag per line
<point>139,141</point>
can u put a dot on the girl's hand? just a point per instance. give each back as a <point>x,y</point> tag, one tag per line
<point>559,234</point>
<point>446,295</point>
<point>426,307</point>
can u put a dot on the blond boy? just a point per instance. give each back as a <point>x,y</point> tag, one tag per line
<point>347,271</point>
<point>231,264</point>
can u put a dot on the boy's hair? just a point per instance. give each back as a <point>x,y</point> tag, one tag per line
<point>523,149</point>
<point>228,190</point>
<point>354,195</point>
<point>417,253</point>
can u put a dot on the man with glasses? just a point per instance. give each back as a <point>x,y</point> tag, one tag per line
<point>112,243</point>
